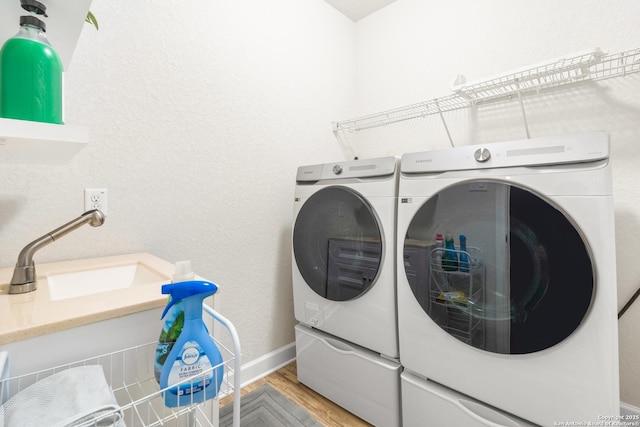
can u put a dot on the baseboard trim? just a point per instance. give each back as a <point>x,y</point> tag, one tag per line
<point>626,409</point>
<point>270,362</point>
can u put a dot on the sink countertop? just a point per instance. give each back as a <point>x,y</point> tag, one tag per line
<point>33,314</point>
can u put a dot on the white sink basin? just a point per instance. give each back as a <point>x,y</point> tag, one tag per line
<point>94,281</point>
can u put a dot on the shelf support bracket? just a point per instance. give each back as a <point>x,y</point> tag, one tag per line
<point>444,123</point>
<point>524,113</point>
<point>346,147</point>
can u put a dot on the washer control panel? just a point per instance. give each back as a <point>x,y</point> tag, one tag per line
<point>356,169</point>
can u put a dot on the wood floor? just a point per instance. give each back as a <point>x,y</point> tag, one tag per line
<point>323,410</point>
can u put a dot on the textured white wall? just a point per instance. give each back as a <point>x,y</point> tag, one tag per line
<point>199,114</point>
<point>412,50</point>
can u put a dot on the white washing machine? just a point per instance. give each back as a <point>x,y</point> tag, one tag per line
<point>343,251</point>
<point>344,281</point>
<point>523,320</point>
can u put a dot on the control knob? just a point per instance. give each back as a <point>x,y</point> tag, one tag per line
<point>482,155</point>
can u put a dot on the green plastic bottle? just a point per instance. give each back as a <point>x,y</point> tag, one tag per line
<point>31,72</point>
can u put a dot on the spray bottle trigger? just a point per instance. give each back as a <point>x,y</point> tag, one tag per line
<point>166,309</point>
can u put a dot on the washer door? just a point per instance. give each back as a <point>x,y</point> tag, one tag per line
<point>337,243</point>
<point>525,281</point>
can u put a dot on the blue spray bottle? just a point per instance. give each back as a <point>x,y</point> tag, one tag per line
<point>173,319</point>
<point>188,369</point>
<point>464,255</point>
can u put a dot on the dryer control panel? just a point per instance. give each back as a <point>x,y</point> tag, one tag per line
<point>575,148</point>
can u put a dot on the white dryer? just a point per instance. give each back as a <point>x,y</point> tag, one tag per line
<point>344,290</point>
<point>523,320</point>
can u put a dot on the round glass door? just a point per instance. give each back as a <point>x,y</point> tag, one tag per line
<point>512,275</point>
<point>337,243</point>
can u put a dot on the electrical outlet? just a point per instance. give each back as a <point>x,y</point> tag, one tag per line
<point>95,198</point>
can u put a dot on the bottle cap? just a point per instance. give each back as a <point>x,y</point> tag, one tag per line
<point>33,21</point>
<point>183,272</point>
<point>34,6</point>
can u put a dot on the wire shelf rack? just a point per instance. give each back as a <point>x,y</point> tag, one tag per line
<point>591,65</point>
<point>130,374</point>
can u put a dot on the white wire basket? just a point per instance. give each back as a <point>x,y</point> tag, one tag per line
<point>130,374</point>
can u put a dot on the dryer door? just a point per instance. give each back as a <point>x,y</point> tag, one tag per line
<point>337,243</point>
<point>525,281</point>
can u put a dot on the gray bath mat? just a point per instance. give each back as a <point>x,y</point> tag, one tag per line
<point>267,407</point>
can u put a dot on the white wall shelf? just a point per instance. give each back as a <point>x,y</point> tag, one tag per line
<point>24,142</point>
<point>585,66</point>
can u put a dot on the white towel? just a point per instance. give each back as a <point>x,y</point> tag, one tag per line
<point>74,397</point>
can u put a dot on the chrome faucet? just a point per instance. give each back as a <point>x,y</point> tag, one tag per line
<point>24,275</point>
